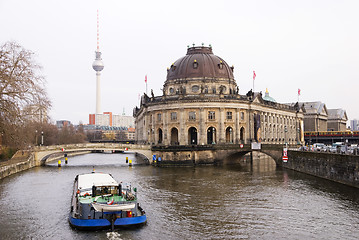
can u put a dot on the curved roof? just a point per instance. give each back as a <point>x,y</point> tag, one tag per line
<point>200,62</point>
<point>268,98</point>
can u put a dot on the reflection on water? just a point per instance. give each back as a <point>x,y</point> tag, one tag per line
<point>257,201</point>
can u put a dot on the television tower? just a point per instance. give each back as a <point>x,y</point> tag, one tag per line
<point>98,67</point>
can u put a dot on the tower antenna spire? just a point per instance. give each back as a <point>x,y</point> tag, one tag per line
<point>98,33</point>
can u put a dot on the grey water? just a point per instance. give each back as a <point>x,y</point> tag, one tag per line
<point>244,201</point>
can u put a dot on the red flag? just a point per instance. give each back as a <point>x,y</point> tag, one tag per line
<point>298,91</point>
<point>254,75</point>
<point>146,79</point>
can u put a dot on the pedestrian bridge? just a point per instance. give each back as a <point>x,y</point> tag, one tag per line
<point>50,153</point>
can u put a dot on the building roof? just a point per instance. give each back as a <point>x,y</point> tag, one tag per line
<point>315,108</point>
<point>200,62</point>
<point>339,113</point>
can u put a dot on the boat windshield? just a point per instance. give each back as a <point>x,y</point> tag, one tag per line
<point>104,190</point>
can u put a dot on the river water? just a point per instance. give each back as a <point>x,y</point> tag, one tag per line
<point>243,201</point>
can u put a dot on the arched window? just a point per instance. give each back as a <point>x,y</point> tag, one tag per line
<point>192,136</point>
<point>211,135</point>
<point>174,136</point>
<point>242,134</point>
<point>160,136</point>
<point>229,135</point>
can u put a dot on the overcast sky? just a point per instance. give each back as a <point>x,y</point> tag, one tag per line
<point>308,44</point>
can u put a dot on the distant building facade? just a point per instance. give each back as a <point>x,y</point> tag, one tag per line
<point>354,125</point>
<point>337,120</point>
<point>35,113</point>
<point>315,116</point>
<point>62,123</point>
<point>109,119</point>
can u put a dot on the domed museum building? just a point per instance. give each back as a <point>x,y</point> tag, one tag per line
<point>201,105</point>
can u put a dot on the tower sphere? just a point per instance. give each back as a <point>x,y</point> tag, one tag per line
<point>97,65</point>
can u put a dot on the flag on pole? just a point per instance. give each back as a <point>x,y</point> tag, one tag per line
<point>298,92</point>
<point>146,78</point>
<point>254,75</point>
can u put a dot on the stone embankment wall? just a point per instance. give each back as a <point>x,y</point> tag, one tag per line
<point>25,160</point>
<point>335,167</point>
<point>19,162</point>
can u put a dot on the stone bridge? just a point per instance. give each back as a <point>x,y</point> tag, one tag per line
<point>50,153</point>
<point>213,154</point>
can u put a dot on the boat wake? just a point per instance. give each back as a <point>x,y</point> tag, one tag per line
<point>113,236</point>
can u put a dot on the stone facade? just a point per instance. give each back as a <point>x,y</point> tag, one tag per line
<point>337,120</point>
<point>315,116</point>
<point>201,105</point>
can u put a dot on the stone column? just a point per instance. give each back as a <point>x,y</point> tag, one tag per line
<point>165,127</point>
<point>181,132</point>
<point>237,127</point>
<point>146,128</point>
<point>202,133</point>
<point>221,126</point>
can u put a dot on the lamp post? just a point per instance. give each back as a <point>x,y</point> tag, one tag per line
<point>35,137</point>
<point>42,138</point>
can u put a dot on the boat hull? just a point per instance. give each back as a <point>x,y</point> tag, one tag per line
<point>96,224</point>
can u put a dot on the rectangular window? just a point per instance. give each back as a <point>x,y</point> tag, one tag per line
<point>229,115</point>
<point>192,115</point>
<point>159,117</point>
<point>242,115</point>
<point>173,116</point>
<point>211,115</point>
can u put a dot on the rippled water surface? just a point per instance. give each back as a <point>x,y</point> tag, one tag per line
<point>206,202</point>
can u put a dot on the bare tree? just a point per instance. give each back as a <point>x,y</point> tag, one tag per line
<point>21,86</point>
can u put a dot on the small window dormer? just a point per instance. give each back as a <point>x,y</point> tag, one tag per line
<point>220,64</point>
<point>195,64</point>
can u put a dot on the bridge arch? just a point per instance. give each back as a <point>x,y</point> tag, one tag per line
<point>231,156</point>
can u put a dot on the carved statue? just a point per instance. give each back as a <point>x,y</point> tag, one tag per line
<point>152,93</point>
<point>221,88</point>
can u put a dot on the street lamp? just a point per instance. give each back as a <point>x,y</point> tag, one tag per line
<point>42,138</point>
<point>285,135</point>
<point>35,137</point>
